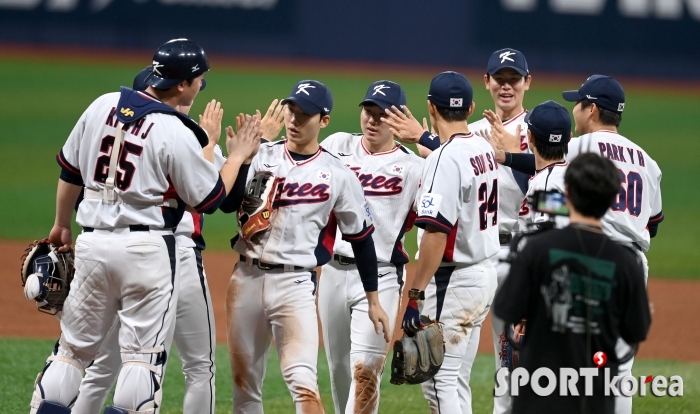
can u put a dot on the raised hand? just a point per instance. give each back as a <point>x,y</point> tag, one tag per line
<point>271,124</point>
<point>403,125</point>
<point>246,142</point>
<point>210,121</point>
<point>500,138</point>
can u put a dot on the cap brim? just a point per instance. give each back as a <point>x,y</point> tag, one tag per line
<point>515,68</point>
<point>381,104</point>
<point>305,106</point>
<point>572,96</point>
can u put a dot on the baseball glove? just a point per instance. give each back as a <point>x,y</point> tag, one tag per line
<point>46,275</point>
<point>256,208</point>
<point>418,358</point>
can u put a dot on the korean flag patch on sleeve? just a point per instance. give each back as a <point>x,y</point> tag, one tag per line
<point>429,205</point>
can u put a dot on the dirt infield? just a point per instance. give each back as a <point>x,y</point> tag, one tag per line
<point>675,304</point>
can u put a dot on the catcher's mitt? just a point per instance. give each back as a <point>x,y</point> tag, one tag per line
<point>46,275</point>
<point>418,358</point>
<point>256,208</point>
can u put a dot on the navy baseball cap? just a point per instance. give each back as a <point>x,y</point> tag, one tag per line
<point>601,90</point>
<point>451,90</point>
<point>507,58</point>
<point>312,97</point>
<point>550,122</point>
<point>384,94</point>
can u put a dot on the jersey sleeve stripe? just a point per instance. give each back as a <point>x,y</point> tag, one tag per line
<point>441,225</point>
<point>212,201</point>
<point>65,164</point>
<point>657,218</point>
<point>359,236</point>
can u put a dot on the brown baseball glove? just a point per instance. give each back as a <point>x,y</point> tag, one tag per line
<point>418,358</point>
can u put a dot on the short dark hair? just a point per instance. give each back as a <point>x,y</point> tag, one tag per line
<point>453,115</point>
<point>606,117</point>
<point>550,152</point>
<point>593,183</point>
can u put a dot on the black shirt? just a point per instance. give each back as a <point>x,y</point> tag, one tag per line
<point>550,278</point>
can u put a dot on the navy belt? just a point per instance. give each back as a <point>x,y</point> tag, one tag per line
<point>133,227</point>
<point>267,266</point>
<point>505,238</point>
<point>344,260</point>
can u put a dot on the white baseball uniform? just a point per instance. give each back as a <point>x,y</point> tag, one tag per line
<point>126,258</point>
<point>355,353</point>
<point>637,205</point>
<point>550,178</point>
<point>510,200</point>
<point>459,196</point>
<point>272,289</point>
<point>194,333</point>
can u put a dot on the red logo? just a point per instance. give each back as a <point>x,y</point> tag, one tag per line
<point>599,359</point>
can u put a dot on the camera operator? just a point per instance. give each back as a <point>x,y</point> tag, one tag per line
<point>548,135</point>
<point>578,290</point>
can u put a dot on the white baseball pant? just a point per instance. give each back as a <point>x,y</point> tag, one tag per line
<point>117,272</point>
<point>194,336</point>
<point>356,354</point>
<point>459,297</point>
<point>502,404</point>
<point>623,404</point>
<point>266,304</point>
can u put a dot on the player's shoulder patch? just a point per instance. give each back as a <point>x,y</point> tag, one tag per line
<point>429,205</point>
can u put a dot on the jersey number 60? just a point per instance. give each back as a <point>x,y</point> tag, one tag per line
<point>630,195</point>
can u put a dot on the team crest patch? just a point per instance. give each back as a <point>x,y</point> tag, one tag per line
<point>620,107</point>
<point>554,137</point>
<point>324,176</point>
<point>429,205</point>
<point>456,102</point>
<point>397,169</point>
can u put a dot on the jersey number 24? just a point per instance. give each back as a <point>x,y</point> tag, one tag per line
<point>489,205</point>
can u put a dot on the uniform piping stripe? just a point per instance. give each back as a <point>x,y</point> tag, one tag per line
<point>549,168</point>
<point>202,281</point>
<point>396,148</point>
<point>65,164</point>
<point>515,117</point>
<point>658,217</point>
<point>361,235</point>
<point>289,156</point>
<point>437,163</point>
<point>433,222</point>
<point>203,207</point>
<point>170,244</point>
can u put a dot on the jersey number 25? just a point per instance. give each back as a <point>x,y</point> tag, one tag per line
<point>126,170</point>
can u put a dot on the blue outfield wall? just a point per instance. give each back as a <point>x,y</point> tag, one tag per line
<point>648,38</point>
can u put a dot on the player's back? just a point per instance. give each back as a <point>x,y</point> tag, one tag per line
<point>509,192</point>
<point>150,167</point>
<point>390,180</point>
<point>460,179</point>
<point>639,199</point>
<point>550,178</point>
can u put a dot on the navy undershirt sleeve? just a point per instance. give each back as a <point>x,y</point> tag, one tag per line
<point>366,261</point>
<point>235,196</point>
<point>525,163</point>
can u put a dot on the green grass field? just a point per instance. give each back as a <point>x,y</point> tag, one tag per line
<point>17,375</point>
<point>42,100</point>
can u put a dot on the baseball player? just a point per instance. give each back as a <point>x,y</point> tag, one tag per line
<point>458,208</point>
<point>636,213</point>
<point>507,79</point>
<point>141,162</point>
<point>271,293</point>
<point>194,331</point>
<point>390,174</point>
<point>548,133</point>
